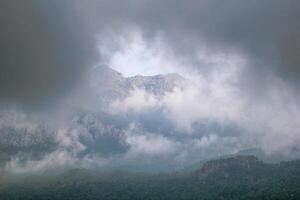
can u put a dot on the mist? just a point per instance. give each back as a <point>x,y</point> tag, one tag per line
<point>146,85</point>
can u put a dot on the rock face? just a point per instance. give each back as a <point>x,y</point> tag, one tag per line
<point>156,85</point>
<point>111,85</point>
<point>25,142</point>
<point>229,166</point>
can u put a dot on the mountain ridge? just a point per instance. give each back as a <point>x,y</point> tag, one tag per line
<point>240,177</point>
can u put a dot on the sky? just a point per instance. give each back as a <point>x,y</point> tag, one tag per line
<point>241,59</point>
<point>68,33</point>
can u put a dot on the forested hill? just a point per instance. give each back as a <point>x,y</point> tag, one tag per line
<point>240,177</point>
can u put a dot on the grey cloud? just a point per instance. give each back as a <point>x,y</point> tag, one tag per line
<point>264,32</point>
<point>46,45</point>
<point>44,50</point>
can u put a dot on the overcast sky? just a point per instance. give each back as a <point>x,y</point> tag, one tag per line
<point>47,45</point>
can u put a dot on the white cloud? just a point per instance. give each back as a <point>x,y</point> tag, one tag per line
<point>270,121</point>
<point>146,144</point>
<point>138,100</point>
<point>136,56</point>
<point>55,160</point>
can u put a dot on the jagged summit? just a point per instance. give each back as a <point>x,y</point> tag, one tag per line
<point>157,84</point>
<point>108,72</point>
<point>111,85</point>
<point>107,86</point>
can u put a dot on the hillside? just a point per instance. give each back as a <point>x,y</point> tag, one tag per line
<point>241,177</point>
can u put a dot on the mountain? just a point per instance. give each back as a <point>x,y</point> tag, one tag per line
<point>112,85</point>
<point>229,166</point>
<point>158,84</point>
<point>24,141</point>
<point>101,133</point>
<point>240,177</point>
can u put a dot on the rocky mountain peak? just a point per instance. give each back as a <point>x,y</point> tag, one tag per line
<point>227,166</point>
<point>111,85</point>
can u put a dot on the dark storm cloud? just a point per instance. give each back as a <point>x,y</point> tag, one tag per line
<point>44,48</point>
<point>46,45</point>
<point>266,32</point>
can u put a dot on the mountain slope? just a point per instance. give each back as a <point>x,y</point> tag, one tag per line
<point>99,131</point>
<point>241,177</point>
